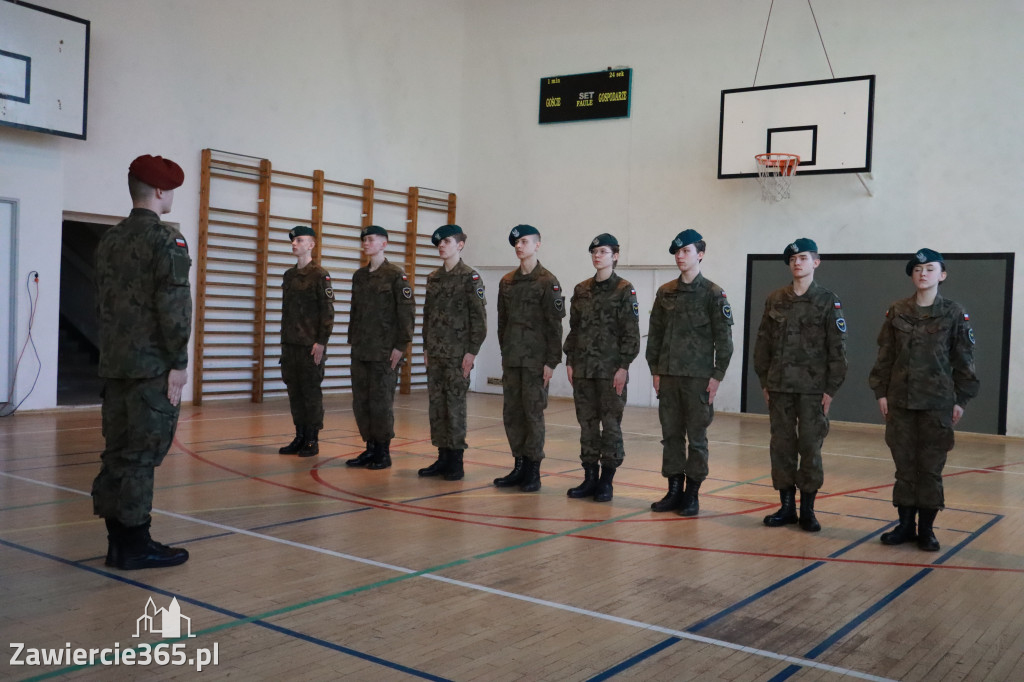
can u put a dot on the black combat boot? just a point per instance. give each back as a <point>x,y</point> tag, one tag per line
<point>137,549</point>
<point>297,442</point>
<point>454,471</point>
<point>589,484</point>
<point>115,529</point>
<point>382,458</point>
<point>807,519</point>
<point>787,512</point>
<point>690,505</point>
<point>531,476</point>
<point>312,445</point>
<point>905,531</point>
<point>364,457</point>
<point>926,539</point>
<point>513,477</point>
<point>439,467</point>
<point>673,498</point>
<point>604,490</point>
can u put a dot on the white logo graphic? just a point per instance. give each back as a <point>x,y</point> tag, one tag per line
<point>164,622</point>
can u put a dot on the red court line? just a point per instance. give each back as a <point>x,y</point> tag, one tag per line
<point>836,560</point>
<point>767,555</point>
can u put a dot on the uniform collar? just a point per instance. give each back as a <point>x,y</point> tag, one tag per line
<point>536,272</point>
<point>697,283</point>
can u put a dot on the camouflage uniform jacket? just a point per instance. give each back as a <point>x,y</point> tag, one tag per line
<point>307,306</point>
<point>143,300</point>
<point>690,330</point>
<point>925,358</point>
<point>455,312</point>
<point>801,343</point>
<point>381,316</point>
<point>604,330</point>
<point>530,312</point>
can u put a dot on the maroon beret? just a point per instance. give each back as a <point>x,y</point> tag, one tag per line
<point>157,171</point>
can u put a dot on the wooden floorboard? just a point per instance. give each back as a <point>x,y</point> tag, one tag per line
<point>307,569</point>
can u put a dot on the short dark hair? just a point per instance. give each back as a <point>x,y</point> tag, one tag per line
<point>460,237</point>
<point>814,256</point>
<point>138,189</point>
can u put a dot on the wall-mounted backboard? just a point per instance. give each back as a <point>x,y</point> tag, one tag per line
<point>44,69</point>
<point>828,123</point>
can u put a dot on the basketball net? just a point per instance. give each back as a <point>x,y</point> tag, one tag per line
<point>775,173</point>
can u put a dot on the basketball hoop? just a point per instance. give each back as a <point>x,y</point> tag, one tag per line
<point>775,172</point>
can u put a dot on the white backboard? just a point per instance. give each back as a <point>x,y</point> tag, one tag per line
<point>44,70</point>
<point>828,123</point>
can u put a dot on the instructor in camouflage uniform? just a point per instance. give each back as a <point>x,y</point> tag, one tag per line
<point>454,328</point>
<point>144,311</point>
<point>604,338</point>
<point>923,378</point>
<point>379,331</point>
<point>800,360</point>
<point>530,312</point>
<point>307,318</point>
<point>689,346</point>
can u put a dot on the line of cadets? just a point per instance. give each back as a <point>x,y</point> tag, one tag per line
<point>923,378</point>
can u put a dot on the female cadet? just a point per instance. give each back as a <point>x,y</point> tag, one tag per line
<point>923,378</point>
<point>604,338</point>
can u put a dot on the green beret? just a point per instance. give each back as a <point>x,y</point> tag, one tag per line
<point>373,229</point>
<point>444,232</point>
<point>603,239</point>
<point>157,172</point>
<point>799,246</point>
<point>300,230</point>
<point>520,231</point>
<point>684,238</point>
<point>924,256</point>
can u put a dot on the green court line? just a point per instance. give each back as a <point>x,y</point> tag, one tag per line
<point>739,483</point>
<point>363,588</point>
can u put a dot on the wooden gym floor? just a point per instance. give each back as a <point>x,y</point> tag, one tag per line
<point>304,569</point>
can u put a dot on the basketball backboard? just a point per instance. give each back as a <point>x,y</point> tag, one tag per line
<point>44,69</point>
<point>827,123</point>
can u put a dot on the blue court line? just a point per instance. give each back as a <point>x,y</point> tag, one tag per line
<point>630,662</point>
<point>884,601</point>
<point>216,609</point>
<point>280,524</point>
<point>701,624</point>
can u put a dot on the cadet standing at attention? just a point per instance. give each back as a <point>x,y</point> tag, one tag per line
<point>800,360</point>
<point>923,378</point>
<point>379,331</point>
<point>307,318</point>
<point>454,328</point>
<point>604,338</point>
<point>689,346</point>
<point>144,310</point>
<point>530,312</point>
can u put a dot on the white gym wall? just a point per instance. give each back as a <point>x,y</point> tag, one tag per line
<point>443,93</point>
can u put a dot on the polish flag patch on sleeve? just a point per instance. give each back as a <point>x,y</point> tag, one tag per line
<point>475,277</point>
<point>967,318</point>
<point>837,305</point>
<point>180,242</point>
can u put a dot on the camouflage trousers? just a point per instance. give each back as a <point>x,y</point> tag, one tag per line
<point>919,441</point>
<point>599,412</point>
<point>685,415</point>
<point>446,388</point>
<point>138,427</point>
<point>799,426</point>
<point>523,411</point>
<point>303,378</point>
<point>373,399</point>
